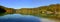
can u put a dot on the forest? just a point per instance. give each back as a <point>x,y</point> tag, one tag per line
<point>50,11</point>
<point>5,10</point>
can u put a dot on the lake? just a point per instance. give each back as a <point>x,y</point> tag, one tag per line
<point>22,18</point>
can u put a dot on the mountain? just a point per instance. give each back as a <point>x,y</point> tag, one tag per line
<point>50,11</point>
<point>8,10</point>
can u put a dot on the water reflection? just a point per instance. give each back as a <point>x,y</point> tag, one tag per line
<point>18,18</point>
<point>22,18</point>
<point>2,14</point>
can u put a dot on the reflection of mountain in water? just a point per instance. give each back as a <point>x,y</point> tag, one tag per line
<point>51,11</point>
<point>2,14</point>
<point>18,18</point>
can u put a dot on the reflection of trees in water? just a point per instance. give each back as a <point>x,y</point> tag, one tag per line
<point>2,14</point>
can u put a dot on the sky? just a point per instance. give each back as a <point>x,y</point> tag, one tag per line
<point>27,3</point>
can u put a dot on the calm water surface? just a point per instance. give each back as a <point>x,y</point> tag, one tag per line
<point>22,18</point>
<point>18,18</point>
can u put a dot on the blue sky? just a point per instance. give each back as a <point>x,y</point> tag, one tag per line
<point>27,3</point>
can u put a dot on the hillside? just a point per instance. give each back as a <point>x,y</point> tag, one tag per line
<point>50,11</point>
<point>8,10</point>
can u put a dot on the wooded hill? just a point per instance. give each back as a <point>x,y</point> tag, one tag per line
<point>53,8</point>
<point>8,10</point>
<point>50,11</point>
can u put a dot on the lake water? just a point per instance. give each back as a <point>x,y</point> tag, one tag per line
<point>22,18</point>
